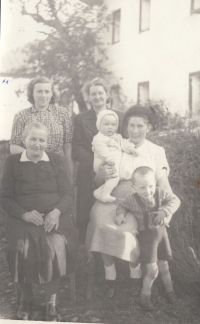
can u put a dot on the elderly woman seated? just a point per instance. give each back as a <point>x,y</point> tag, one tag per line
<point>42,241</point>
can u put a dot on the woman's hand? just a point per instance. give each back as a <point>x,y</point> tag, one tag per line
<point>51,220</point>
<point>107,170</point>
<point>120,219</point>
<point>33,217</point>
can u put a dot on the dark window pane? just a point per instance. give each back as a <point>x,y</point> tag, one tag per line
<point>116,26</point>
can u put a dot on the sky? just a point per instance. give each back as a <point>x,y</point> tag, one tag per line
<point>16,31</point>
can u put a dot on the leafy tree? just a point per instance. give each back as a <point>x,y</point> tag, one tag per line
<point>72,51</point>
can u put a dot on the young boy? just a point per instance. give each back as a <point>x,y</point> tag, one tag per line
<point>107,146</point>
<point>153,208</point>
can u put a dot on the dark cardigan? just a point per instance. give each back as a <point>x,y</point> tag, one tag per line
<point>84,131</point>
<point>43,186</point>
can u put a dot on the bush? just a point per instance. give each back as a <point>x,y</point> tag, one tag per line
<point>164,119</point>
<point>183,154</point>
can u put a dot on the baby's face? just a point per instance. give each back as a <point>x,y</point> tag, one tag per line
<point>145,185</point>
<point>108,125</point>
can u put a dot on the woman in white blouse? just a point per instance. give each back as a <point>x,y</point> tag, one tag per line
<point>103,235</point>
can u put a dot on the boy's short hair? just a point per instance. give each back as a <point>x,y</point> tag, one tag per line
<point>141,171</point>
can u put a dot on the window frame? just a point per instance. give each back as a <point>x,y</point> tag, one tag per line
<point>114,13</point>
<point>192,10</point>
<point>190,91</point>
<point>140,20</point>
<point>138,90</point>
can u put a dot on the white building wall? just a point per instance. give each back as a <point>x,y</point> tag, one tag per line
<point>164,55</point>
<point>11,103</point>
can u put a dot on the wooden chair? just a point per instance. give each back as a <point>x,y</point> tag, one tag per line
<point>72,288</point>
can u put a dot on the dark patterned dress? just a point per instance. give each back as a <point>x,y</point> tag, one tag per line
<point>55,118</point>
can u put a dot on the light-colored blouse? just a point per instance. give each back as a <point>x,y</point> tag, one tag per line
<point>150,155</point>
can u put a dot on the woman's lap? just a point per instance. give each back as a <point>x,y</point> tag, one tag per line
<point>34,255</point>
<point>104,236</point>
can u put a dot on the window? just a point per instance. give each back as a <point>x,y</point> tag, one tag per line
<point>195,6</point>
<point>194,93</point>
<point>116,26</point>
<point>143,92</point>
<point>144,15</point>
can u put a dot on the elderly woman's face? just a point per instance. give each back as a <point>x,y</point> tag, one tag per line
<point>42,94</point>
<point>36,142</point>
<point>98,96</point>
<point>137,129</point>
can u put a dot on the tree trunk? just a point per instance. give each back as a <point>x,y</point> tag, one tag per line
<point>81,103</point>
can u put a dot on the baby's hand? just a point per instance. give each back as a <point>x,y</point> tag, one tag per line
<point>160,218</point>
<point>120,219</point>
<point>134,152</point>
<point>113,143</point>
<point>111,161</point>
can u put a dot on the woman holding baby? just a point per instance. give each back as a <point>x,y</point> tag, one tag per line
<point>116,237</point>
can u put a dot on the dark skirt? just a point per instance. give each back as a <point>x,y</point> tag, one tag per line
<point>35,256</point>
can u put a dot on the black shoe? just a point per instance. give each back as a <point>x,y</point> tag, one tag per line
<point>111,288</point>
<point>146,304</point>
<point>51,313</point>
<point>135,285</point>
<point>170,297</point>
<point>24,310</point>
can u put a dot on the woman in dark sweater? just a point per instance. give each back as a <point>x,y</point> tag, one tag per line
<point>42,241</point>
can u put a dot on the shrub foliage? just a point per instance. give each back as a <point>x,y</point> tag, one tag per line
<point>183,154</point>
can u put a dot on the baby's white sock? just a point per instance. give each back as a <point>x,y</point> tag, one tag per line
<point>110,272</point>
<point>135,272</point>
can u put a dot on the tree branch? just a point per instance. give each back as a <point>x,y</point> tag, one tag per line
<point>38,18</point>
<point>42,32</point>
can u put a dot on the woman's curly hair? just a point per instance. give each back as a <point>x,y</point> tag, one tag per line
<point>93,83</point>
<point>33,82</point>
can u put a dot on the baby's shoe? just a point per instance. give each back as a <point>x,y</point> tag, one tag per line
<point>170,297</point>
<point>145,302</point>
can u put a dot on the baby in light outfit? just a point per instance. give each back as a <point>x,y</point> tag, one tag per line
<point>108,146</point>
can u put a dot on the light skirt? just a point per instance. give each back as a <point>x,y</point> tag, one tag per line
<point>104,236</point>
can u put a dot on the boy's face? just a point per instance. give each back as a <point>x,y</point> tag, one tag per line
<point>108,125</point>
<point>145,185</point>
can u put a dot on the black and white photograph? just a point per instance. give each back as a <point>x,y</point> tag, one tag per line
<point>100,161</point>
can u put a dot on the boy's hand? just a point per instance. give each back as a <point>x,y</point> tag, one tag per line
<point>166,221</point>
<point>120,219</point>
<point>160,218</point>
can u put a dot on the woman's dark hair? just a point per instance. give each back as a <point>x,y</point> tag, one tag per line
<point>139,111</point>
<point>31,85</point>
